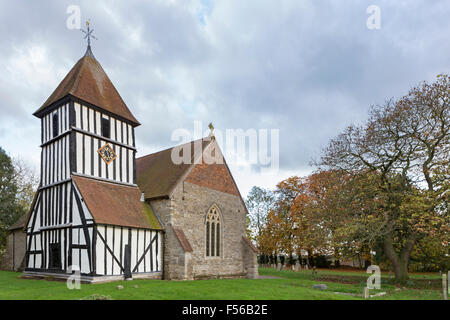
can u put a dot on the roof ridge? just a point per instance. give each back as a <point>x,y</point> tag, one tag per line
<point>103,181</point>
<point>179,145</point>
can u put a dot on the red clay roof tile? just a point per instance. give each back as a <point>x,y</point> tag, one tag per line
<point>157,174</point>
<point>183,240</point>
<point>114,204</point>
<point>249,243</point>
<point>88,81</point>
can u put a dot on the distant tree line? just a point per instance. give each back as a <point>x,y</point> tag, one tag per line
<point>18,182</point>
<point>381,191</point>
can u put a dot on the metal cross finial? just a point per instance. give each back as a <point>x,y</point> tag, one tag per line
<point>211,128</point>
<point>88,33</point>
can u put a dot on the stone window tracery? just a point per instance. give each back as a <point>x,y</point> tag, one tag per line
<point>213,233</point>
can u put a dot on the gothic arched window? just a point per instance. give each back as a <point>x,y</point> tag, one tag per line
<point>213,232</point>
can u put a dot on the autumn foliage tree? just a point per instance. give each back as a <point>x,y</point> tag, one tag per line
<point>382,187</point>
<point>295,223</point>
<point>398,167</point>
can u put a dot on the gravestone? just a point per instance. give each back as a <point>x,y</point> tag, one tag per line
<point>366,294</point>
<point>320,287</point>
<point>444,286</point>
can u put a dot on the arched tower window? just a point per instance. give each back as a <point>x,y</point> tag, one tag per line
<point>213,232</point>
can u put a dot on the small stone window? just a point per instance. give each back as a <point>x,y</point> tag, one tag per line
<point>213,233</point>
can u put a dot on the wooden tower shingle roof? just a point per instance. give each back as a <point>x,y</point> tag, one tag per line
<point>89,82</point>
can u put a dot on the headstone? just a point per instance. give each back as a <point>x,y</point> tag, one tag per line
<point>279,266</point>
<point>379,294</point>
<point>444,286</point>
<point>320,287</point>
<point>298,267</point>
<point>314,272</point>
<point>366,293</point>
<point>119,287</point>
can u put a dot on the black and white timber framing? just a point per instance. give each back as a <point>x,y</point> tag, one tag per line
<point>61,231</point>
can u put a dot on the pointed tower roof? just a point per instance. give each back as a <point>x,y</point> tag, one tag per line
<point>88,81</point>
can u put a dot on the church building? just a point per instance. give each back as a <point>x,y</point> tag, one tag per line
<point>110,214</point>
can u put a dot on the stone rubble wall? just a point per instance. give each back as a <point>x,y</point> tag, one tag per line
<point>14,256</point>
<point>250,261</point>
<point>187,210</point>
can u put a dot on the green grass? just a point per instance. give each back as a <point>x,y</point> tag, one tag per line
<point>420,287</point>
<point>291,285</point>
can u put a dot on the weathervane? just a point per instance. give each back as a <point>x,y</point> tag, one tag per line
<point>88,33</point>
<point>211,128</point>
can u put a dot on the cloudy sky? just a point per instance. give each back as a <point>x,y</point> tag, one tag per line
<point>307,68</point>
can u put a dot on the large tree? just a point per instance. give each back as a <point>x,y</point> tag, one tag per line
<point>18,182</point>
<point>259,203</point>
<point>8,191</point>
<point>403,152</point>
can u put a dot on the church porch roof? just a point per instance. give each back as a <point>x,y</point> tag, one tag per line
<point>115,204</point>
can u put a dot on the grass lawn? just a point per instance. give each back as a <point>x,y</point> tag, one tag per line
<point>291,285</point>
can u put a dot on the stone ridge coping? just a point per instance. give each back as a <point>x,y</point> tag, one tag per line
<point>179,233</point>
<point>249,243</point>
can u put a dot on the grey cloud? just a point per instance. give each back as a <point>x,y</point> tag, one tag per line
<point>306,67</point>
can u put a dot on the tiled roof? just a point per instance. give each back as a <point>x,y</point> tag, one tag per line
<point>183,240</point>
<point>249,243</point>
<point>157,174</point>
<point>88,81</point>
<point>115,204</point>
<point>23,220</point>
<point>20,224</point>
